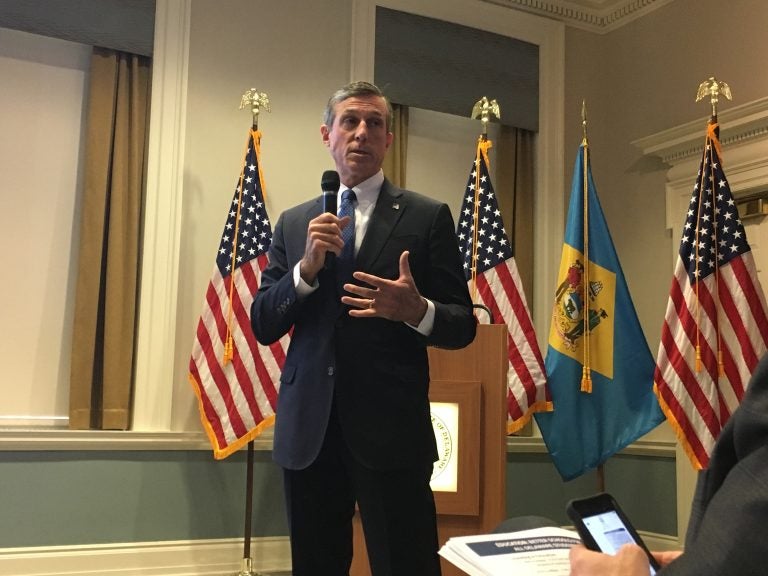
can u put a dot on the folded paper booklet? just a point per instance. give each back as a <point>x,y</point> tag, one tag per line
<point>536,552</point>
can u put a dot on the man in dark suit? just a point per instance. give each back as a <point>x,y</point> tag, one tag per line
<point>726,535</point>
<point>353,419</point>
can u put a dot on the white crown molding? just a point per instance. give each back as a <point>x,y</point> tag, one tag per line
<point>599,16</point>
<point>740,124</point>
<point>269,555</point>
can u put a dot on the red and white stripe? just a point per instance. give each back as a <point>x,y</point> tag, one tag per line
<point>699,402</point>
<point>501,290</point>
<point>237,399</point>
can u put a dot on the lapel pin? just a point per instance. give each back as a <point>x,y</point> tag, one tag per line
<point>396,206</point>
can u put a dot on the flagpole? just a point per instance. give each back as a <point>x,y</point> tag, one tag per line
<point>247,564</point>
<point>714,89</point>
<point>585,429</point>
<point>494,281</point>
<point>726,274</point>
<point>586,371</point>
<point>256,101</point>
<point>586,376</point>
<point>483,109</point>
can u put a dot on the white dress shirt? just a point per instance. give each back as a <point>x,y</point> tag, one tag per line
<point>367,193</point>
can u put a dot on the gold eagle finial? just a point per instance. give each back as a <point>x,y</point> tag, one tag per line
<point>256,101</point>
<point>713,88</point>
<point>484,109</point>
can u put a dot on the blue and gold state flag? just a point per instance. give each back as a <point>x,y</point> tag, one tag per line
<point>602,384</point>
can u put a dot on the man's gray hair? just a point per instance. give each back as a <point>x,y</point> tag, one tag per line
<point>350,91</point>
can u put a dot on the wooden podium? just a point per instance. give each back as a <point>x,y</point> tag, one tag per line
<point>474,379</point>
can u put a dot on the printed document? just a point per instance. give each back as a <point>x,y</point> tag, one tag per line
<point>536,552</point>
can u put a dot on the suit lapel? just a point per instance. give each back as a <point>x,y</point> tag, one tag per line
<point>389,208</point>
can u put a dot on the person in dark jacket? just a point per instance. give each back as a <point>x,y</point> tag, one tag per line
<point>353,424</point>
<point>727,531</point>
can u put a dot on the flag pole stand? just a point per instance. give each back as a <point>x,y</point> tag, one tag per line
<point>246,568</point>
<point>256,101</point>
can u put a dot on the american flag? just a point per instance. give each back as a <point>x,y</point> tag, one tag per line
<point>715,328</point>
<point>235,378</point>
<point>490,269</point>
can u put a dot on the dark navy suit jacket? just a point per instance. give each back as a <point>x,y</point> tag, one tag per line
<point>376,369</point>
<point>728,531</point>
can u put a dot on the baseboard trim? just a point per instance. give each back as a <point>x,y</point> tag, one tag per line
<point>177,558</point>
<point>270,556</point>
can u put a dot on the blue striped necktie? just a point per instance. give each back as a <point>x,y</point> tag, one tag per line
<point>347,255</point>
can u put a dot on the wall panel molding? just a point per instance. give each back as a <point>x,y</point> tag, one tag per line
<point>270,556</point>
<point>156,332</point>
<point>26,439</point>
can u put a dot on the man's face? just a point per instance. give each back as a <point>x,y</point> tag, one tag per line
<point>358,138</point>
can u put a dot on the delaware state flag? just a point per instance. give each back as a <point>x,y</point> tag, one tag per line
<point>598,364</point>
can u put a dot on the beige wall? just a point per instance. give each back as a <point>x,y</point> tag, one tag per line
<point>298,53</point>
<point>299,58</point>
<point>42,122</point>
<point>441,149</point>
<point>637,81</point>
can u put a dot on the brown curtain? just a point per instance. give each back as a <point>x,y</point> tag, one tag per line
<point>108,267</point>
<point>515,183</point>
<point>394,164</point>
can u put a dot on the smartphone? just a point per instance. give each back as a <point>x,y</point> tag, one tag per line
<point>604,527</point>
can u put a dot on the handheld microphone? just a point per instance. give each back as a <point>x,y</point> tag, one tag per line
<point>329,183</point>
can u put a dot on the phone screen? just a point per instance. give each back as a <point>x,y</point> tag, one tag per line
<point>609,532</point>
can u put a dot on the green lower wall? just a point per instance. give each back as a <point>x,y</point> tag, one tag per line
<point>70,498</point>
<point>645,488</point>
<point>66,498</point>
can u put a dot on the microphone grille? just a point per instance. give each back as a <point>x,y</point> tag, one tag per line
<point>330,181</point>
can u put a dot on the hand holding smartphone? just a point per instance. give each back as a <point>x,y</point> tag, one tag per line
<point>604,527</point>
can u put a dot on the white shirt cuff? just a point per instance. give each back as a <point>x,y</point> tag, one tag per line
<point>428,322</point>
<point>302,288</point>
